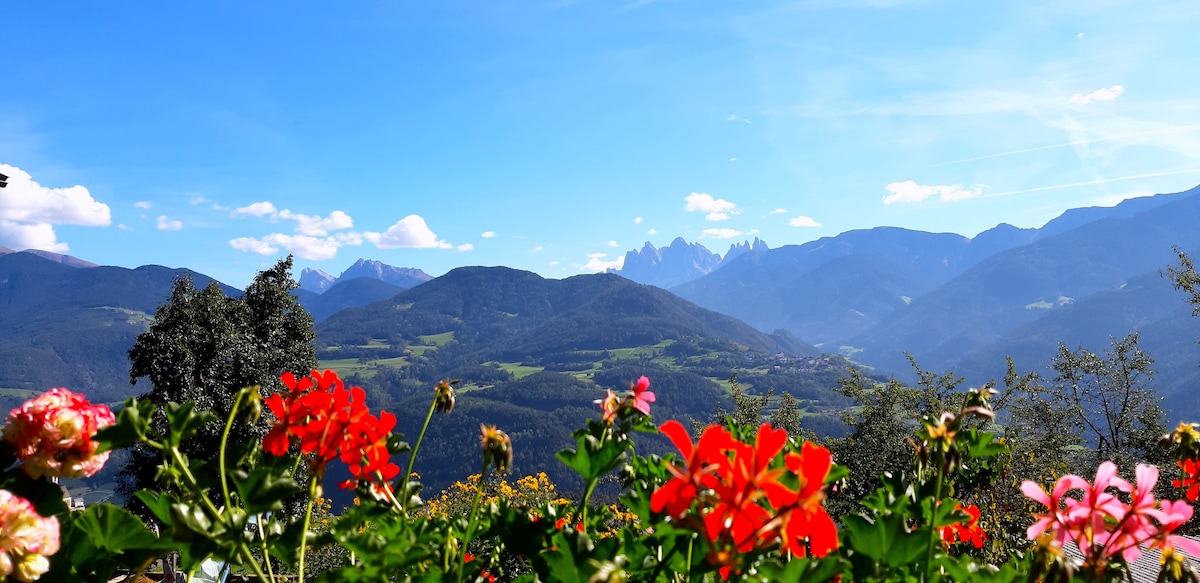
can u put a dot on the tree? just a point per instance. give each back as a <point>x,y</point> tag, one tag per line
<point>1185,279</point>
<point>1115,409</point>
<point>204,346</point>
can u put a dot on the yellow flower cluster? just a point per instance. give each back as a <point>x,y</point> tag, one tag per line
<point>529,491</point>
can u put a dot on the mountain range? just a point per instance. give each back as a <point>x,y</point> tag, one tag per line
<point>873,295</point>
<point>680,262</point>
<point>318,282</point>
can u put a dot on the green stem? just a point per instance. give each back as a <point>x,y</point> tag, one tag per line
<point>933,531</point>
<point>253,562</point>
<point>262,536</point>
<point>587,495</point>
<point>412,459</point>
<point>462,556</point>
<point>312,495</point>
<point>221,452</point>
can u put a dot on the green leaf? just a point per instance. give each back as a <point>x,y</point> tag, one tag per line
<point>264,491</point>
<point>887,540</point>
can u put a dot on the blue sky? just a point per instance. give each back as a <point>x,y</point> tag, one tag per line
<point>556,135</point>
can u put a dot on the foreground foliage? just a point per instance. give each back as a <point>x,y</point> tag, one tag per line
<point>737,503</point>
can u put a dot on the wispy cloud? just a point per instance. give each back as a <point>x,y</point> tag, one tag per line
<point>733,117</point>
<point>465,247</point>
<point>910,192</point>
<point>488,234</point>
<point>778,212</point>
<point>143,204</point>
<point>1102,94</point>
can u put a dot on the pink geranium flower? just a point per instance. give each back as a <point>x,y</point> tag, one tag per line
<point>642,397</point>
<point>26,539</point>
<point>53,434</point>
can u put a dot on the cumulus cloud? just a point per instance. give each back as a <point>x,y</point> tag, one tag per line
<point>719,233</point>
<point>488,234</point>
<point>258,209</point>
<point>597,264</point>
<point>652,232</point>
<point>410,232</point>
<point>637,220</point>
<point>302,246</point>
<point>166,224</point>
<point>465,247</point>
<point>718,209</point>
<point>909,191</point>
<point>538,249</point>
<point>778,212</point>
<point>612,243</point>
<point>1102,94</point>
<point>317,226</point>
<point>142,204</point>
<point>29,211</point>
<point>803,221</point>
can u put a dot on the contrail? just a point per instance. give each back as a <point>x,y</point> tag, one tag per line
<point>1092,182</point>
<point>1073,143</point>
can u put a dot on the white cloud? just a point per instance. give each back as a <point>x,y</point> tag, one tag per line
<point>612,243</point>
<point>166,224</point>
<point>637,220</point>
<point>733,159</point>
<point>29,211</point>
<point>719,233</point>
<point>315,226</point>
<point>258,209</point>
<point>409,232</point>
<point>142,204</point>
<point>30,236</point>
<point>652,232</point>
<point>124,227</point>
<point>538,249</point>
<point>302,246</point>
<point>198,200</point>
<point>554,263</point>
<point>737,118</point>
<point>909,191</point>
<point>597,264</point>
<point>1102,94</point>
<point>803,221</point>
<point>778,212</point>
<point>488,234</point>
<point>718,209</point>
<point>465,247</point>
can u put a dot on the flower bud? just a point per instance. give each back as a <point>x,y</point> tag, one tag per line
<point>443,396</point>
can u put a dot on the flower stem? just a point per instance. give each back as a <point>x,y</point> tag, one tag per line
<point>462,560</point>
<point>221,452</point>
<point>933,531</point>
<point>412,459</point>
<point>312,495</point>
